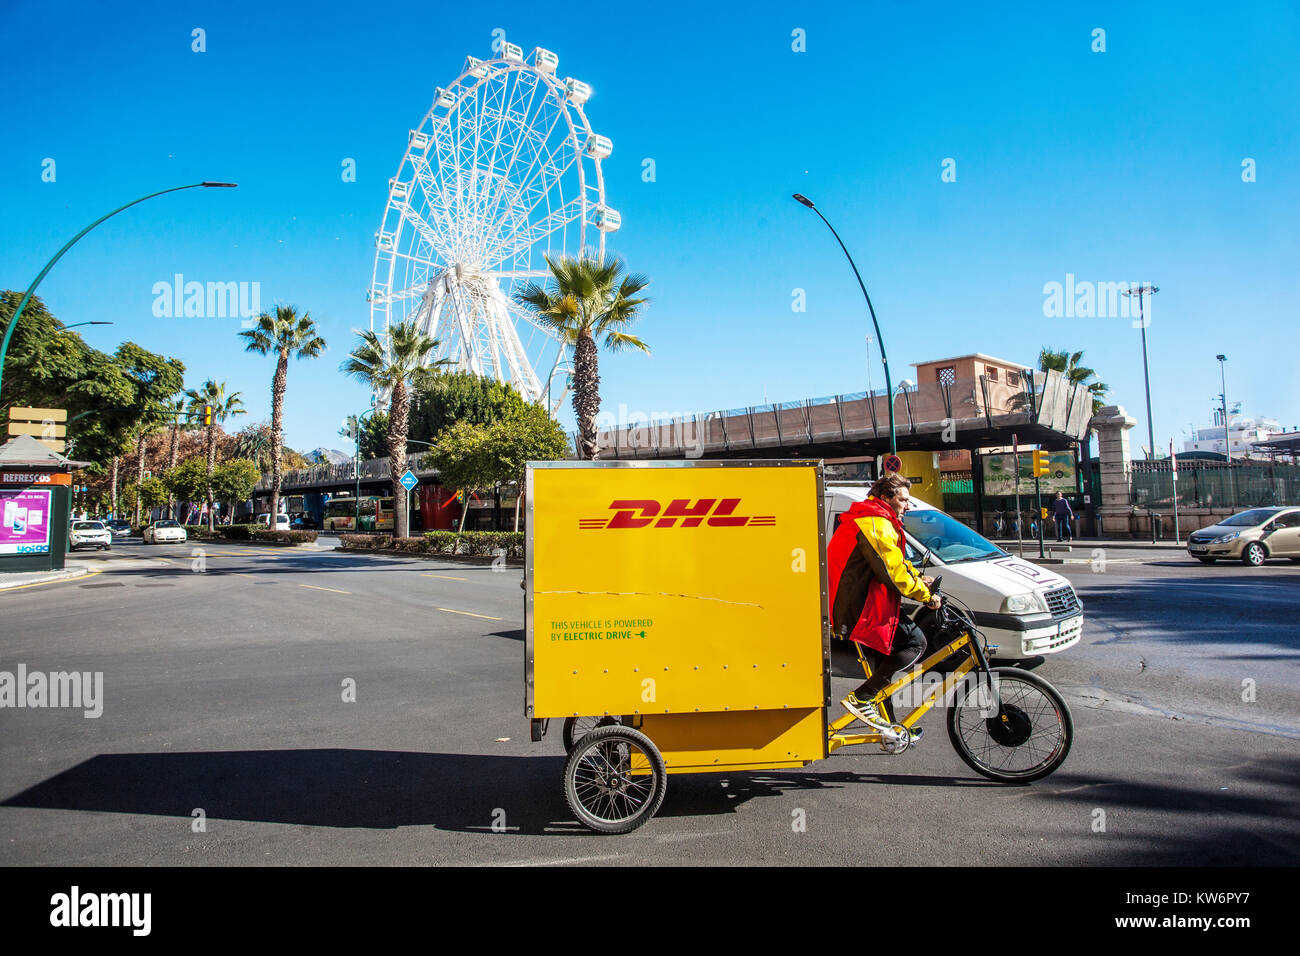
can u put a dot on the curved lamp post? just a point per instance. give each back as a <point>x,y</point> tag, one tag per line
<point>889,388</point>
<point>13,323</point>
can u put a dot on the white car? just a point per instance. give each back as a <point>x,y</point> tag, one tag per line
<point>165,531</point>
<point>281,521</point>
<point>1024,608</point>
<point>90,534</point>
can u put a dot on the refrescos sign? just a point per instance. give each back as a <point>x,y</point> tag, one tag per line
<point>26,522</point>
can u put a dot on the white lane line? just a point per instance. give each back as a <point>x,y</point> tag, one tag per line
<point>318,588</point>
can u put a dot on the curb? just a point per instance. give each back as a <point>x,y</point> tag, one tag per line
<point>41,577</point>
<point>477,559</point>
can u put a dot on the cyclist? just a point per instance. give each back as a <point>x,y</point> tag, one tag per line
<point>869,577</point>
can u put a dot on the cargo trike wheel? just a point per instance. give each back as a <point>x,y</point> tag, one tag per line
<point>1027,738</point>
<point>614,779</point>
<point>575,728</point>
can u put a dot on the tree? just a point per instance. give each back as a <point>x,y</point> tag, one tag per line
<point>233,481</point>
<point>459,396</point>
<point>1068,365</point>
<point>286,333</point>
<point>213,394</point>
<point>590,298</point>
<point>106,395</point>
<point>391,365</point>
<point>150,493</point>
<point>187,481</point>
<point>478,457</point>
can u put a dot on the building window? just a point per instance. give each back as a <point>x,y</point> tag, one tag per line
<point>991,372</point>
<point>1013,378</point>
<point>947,376</point>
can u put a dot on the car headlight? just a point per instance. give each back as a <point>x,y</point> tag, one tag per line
<point>1227,537</point>
<point>1026,603</point>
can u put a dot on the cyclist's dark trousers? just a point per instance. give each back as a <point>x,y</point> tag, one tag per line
<point>909,645</point>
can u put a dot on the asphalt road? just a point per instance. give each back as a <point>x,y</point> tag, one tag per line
<point>224,694</point>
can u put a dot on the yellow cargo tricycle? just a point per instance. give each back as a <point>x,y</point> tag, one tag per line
<point>676,622</point>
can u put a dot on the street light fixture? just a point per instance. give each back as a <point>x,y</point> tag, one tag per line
<point>1227,437</point>
<point>1141,292</point>
<point>18,313</point>
<point>889,389</point>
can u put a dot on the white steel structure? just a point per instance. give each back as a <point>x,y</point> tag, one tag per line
<point>503,170</point>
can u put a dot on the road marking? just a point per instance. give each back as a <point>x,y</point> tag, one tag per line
<point>445,577</point>
<point>470,614</point>
<point>565,862</point>
<point>316,588</point>
<point>37,584</point>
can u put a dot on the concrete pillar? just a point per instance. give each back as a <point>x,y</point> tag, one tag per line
<point>1112,424</point>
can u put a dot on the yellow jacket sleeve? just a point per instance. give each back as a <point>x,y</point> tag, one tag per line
<point>884,541</point>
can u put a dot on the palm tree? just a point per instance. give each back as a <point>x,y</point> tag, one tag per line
<point>223,407</point>
<point>392,365</point>
<point>1068,365</point>
<point>591,298</point>
<point>284,333</point>
<point>174,410</point>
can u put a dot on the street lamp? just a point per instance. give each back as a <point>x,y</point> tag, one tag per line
<point>13,323</point>
<point>1142,291</point>
<point>889,389</point>
<point>558,366</point>
<point>903,386</point>
<point>1227,438</point>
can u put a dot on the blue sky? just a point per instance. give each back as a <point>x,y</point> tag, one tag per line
<point>1117,166</point>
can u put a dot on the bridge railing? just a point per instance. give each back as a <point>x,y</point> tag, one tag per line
<point>336,474</point>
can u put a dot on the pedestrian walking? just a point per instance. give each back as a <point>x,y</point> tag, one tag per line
<point>1063,513</point>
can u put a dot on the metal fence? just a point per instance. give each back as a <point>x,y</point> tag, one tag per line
<point>1214,484</point>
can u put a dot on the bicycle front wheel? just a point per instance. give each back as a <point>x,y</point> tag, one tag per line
<point>1025,740</point>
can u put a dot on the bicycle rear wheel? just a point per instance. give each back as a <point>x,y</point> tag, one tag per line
<point>1026,740</point>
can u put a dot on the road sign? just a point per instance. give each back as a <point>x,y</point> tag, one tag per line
<point>893,463</point>
<point>408,480</point>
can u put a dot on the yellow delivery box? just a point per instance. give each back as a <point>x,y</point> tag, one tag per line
<point>686,599</point>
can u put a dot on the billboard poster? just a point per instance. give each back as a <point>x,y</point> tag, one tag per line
<point>26,522</point>
<point>999,479</point>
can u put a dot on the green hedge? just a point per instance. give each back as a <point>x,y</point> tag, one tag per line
<point>485,543</point>
<point>251,532</point>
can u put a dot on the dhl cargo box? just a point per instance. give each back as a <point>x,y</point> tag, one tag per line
<point>687,598</point>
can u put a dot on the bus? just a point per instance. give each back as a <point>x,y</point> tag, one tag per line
<point>341,514</point>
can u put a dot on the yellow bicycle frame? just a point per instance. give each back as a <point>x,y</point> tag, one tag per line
<point>836,739</point>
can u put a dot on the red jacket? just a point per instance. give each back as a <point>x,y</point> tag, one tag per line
<point>869,576</point>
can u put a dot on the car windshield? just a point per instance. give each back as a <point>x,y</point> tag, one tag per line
<point>949,539</point>
<point>166,524</point>
<point>88,526</point>
<point>1248,519</point>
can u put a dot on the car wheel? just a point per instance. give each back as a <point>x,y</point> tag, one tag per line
<point>1254,554</point>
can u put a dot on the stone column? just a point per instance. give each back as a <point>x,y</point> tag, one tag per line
<point>1112,424</point>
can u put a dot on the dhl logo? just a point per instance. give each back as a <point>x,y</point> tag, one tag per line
<point>644,512</point>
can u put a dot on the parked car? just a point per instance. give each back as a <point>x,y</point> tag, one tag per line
<point>1254,536</point>
<point>1022,607</point>
<point>119,528</point>
<point>281,521</point>
<point>90,534</point>
<point>165,531</point>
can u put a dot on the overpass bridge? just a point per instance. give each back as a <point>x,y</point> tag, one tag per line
<point>1047,410</point>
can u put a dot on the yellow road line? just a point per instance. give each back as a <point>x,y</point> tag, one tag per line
<point>37,584</point>
<point>471,614</point>
<point>315,588</point>
<point>445,577</point>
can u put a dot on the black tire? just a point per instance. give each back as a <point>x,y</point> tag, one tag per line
<point>1254,554</point>
<point>575,728</point>
<point>1009,732</point>
<point>1206,560</point>
<point>598,785</point>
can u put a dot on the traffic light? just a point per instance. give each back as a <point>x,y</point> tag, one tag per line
<point>207,416</point>
<point>1039,464</point>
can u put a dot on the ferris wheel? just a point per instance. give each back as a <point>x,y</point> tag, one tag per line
<point>503,171</point>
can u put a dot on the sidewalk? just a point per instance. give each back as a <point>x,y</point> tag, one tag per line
<point>1087,544</point>
<point>21,579</point>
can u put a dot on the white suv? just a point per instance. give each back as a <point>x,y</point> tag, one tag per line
<point>281,521</point>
